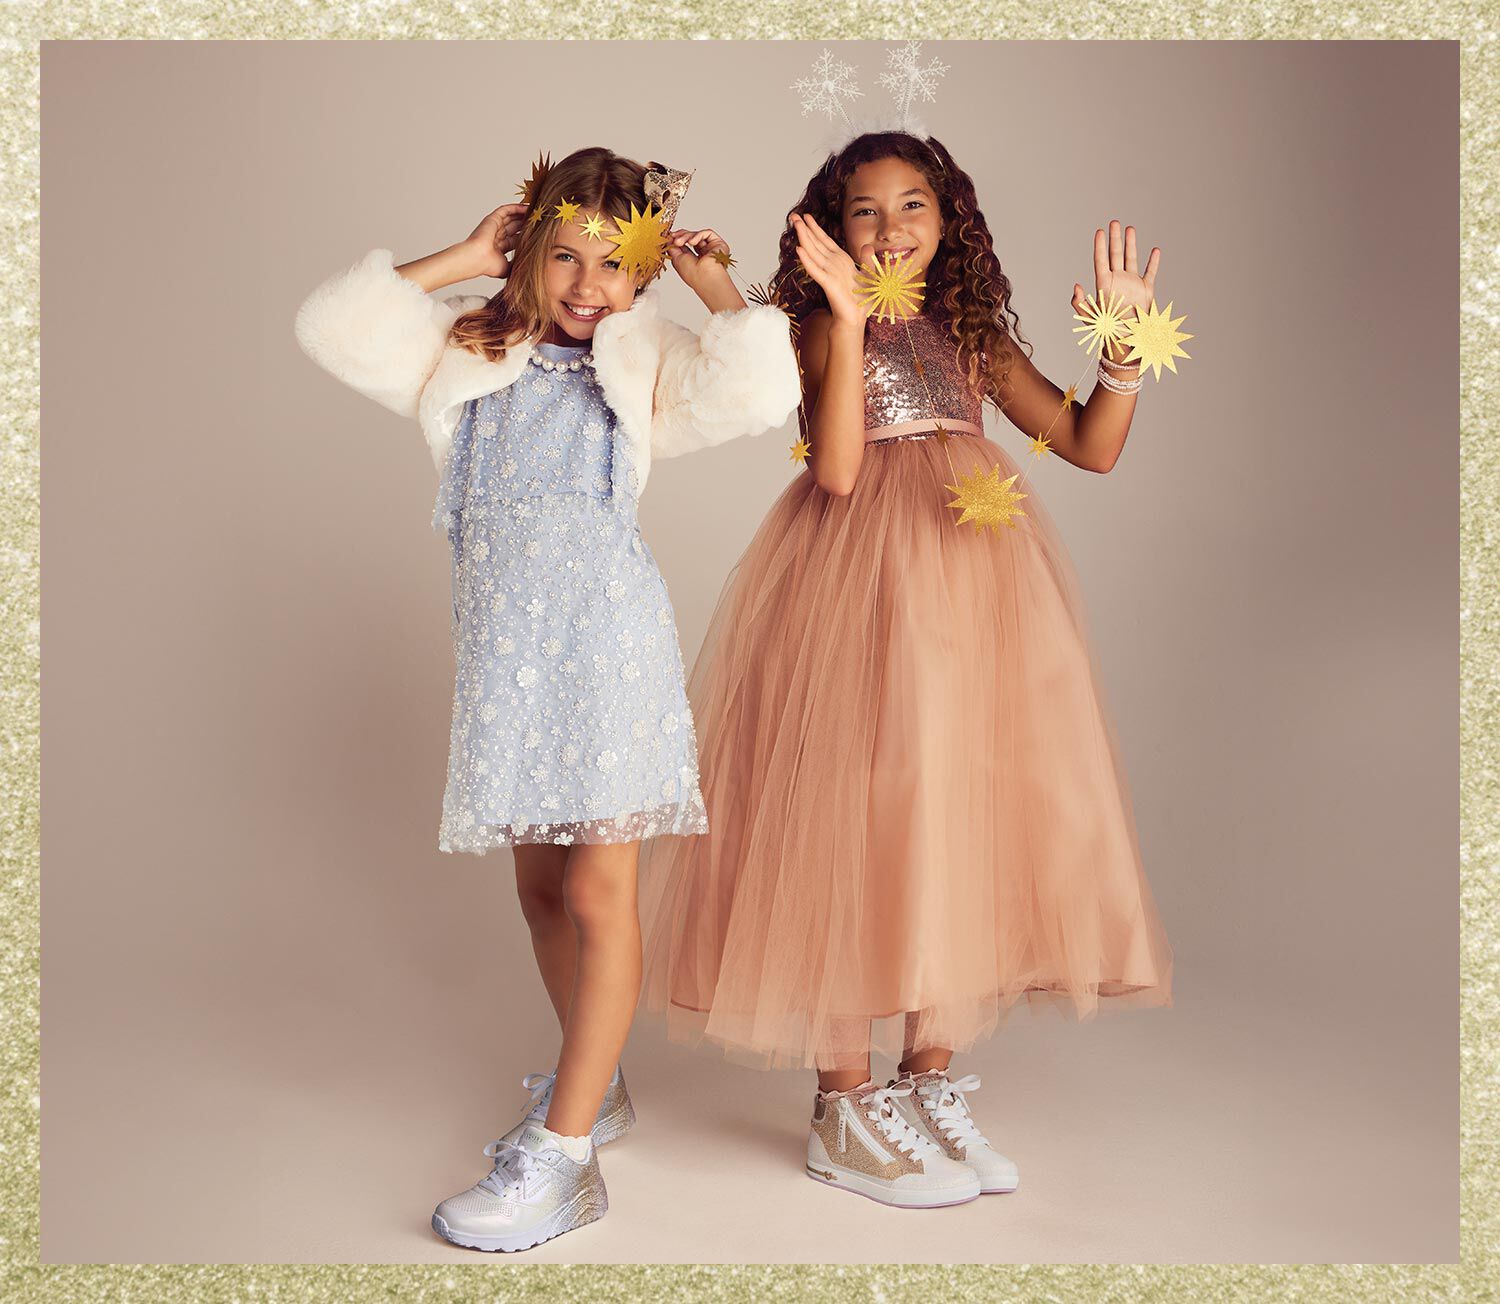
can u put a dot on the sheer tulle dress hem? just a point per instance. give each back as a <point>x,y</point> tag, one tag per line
<point>919,814</point>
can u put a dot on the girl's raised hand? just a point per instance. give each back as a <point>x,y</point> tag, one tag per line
<point>491,242</point>
<point>1117,271</point>
<point>692,256</point>
<point>829,264</point>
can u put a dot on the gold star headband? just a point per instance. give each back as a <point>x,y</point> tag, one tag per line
<point>642,239</point>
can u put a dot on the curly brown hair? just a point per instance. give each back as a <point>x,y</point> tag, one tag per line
<point>600,181</point>
<point>965,283</point>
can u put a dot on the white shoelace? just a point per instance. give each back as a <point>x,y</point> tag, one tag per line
<point>948,1107</point>
<point>540,1085</point>
<point>511,1167</point>
<point>880,1110</point>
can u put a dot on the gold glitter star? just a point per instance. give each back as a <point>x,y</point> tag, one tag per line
<point>594,227</point>
<point>527,190</point>
<point>987,500</point>
<point>1101,322</point>
<point>801,451</point>
<point>889,291</point>
<point>1040,445</point>
<point>1070,396</point>
<point>764,298</point>
<point>725,259</point>
<point>1153,338</point>
<point>567,210</point>
<point>641,243</point>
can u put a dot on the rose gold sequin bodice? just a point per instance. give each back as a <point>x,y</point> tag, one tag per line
<point>902,402</point>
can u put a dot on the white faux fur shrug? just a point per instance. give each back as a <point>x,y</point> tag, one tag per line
<point>672,391</point>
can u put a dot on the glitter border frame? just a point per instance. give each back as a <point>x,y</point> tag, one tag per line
<point>26,23</point>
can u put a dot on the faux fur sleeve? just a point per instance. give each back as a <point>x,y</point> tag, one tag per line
<point>737,377</point>
<point>377,331</point>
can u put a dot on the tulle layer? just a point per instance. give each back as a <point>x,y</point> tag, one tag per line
<point>916,813</point>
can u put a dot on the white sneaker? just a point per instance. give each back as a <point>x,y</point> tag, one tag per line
<point>535,1191</point>
<point>939,1109</point>
<point>616,1113</point>
<point>861,1143</point>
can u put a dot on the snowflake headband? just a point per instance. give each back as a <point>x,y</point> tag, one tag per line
<point>906,77</point>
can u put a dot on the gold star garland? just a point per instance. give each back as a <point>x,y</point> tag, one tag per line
<point>892,292</point>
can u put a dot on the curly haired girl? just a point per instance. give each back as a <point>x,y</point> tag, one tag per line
<point>918,812</point>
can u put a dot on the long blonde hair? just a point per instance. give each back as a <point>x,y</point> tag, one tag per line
<point>599,180</point>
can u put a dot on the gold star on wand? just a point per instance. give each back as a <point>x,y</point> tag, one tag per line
<point>1153,339</point>
<point>801,451</point>
<point>567,210</point>
<point>642,240</point>
<point>594,227</point>
<point>987,500</point>
<point>889,291</point>
<point>1101,322</point>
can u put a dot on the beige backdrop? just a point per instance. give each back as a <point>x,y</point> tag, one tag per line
<point>279,1024</point>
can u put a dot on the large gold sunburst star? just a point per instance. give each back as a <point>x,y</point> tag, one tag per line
<point>527,190</point>
<point>1103,321</point>
<point>889,290</point>
<point>987,500</point>
<point>642,240</point>
<point>1153,339</point>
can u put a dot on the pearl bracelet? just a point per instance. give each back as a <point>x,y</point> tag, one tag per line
<point>1120,386</point>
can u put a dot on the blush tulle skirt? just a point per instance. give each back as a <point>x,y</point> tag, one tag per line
<point>917,816</point>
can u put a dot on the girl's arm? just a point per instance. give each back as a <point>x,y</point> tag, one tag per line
<point>831,346</point>
<point>737,376</point>
<point>484,252</point>
<point>375,327</point>
<point>1094,436</point>
<point>693,256</point>
<point>1090,437</point>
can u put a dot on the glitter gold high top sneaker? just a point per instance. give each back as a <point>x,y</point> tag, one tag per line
<point>616,1114</point>
<point>535,1191</point>
<point>939,1109</point>
<point>859,1142</point>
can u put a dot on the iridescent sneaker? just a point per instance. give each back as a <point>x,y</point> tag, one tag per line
<point>939,1109</point>
<point>616,1114</point>
<point>534,1192</point>
<point>861,1143</point>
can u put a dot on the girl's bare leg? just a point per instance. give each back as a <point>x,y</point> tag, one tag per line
<point>922,1061</point>
<point>539,884</point>
<point>843,1072</point>
<point>599,896</point>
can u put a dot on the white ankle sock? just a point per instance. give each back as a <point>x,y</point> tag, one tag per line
<point>575,1147</point>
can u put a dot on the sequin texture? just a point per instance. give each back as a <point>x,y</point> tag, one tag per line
<point>896,393</point>
<point>570,719</point>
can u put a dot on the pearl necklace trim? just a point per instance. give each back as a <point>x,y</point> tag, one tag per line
<point>571,364</point>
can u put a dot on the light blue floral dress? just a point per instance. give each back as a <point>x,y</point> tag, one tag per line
<point>570,720</point>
